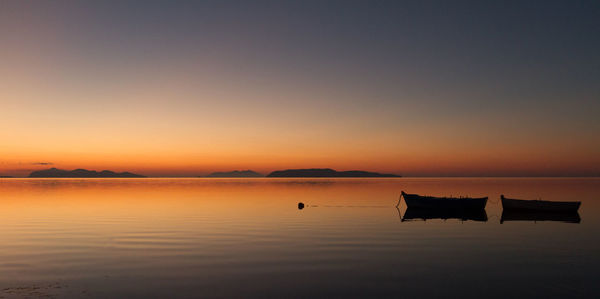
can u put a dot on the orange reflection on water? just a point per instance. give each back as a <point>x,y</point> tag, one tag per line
<point>123,237</point>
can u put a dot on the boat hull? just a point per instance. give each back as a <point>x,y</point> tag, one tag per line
<point>447,203</point>
<point>540,205</point>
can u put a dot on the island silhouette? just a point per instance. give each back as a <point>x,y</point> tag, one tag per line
<point>235,174</point>
<point>327,173</point>
<point>288,173</point>
<point>81,173</point>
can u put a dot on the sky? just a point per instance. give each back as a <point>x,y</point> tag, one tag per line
<point>185,88</point>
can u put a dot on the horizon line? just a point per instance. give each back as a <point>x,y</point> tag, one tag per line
<point>266,177</point>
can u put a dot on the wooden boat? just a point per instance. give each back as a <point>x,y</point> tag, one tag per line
<point>532,215</point>
<point>449,203</point>
<point>540,205</point>
<point>426,214</point>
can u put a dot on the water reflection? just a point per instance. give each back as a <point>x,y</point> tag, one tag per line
<point>188,238</point>
<point>427,214</point>
<point>525,215</point>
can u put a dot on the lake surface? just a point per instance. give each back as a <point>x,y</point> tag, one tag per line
<point>181,238</point>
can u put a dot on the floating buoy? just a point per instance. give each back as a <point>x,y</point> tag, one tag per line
<point>300,206</point>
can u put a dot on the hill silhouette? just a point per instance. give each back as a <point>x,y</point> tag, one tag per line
<point>235,174</point>
<point>327,173</point>
<point>81,173</point>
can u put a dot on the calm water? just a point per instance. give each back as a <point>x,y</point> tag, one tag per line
<point>247,238</point>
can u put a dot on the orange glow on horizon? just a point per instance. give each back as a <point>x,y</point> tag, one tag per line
<point>189,112</point>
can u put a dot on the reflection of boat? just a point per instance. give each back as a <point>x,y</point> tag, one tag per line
<point>531,215</point>
<point>447,203</point>
<point>425,214</point>
<point>540,205</point>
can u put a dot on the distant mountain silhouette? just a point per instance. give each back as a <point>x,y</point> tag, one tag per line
<point>81,173</point>
<point>235,174</point>
<point>5,176</point>
<point>326,173</point>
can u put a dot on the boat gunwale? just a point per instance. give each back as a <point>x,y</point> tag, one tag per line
<point>443,197</point>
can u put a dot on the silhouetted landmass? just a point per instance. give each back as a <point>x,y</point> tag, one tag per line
<point>235,174</point>
<point>5,176</point>
<point>326,173</point>
<point>81,173</point>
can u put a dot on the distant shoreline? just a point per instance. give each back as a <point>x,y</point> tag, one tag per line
<point>327,173</point>
<point>82,173</point>
<point>307,173</point>
<point>276,178</point>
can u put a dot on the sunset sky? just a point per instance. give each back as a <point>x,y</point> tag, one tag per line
<point>177,88</point>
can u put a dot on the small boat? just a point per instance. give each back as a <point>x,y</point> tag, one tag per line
<point>426,214</point>
<point>540,205</point>
<point>532,215</point>
<point>456,203</point>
